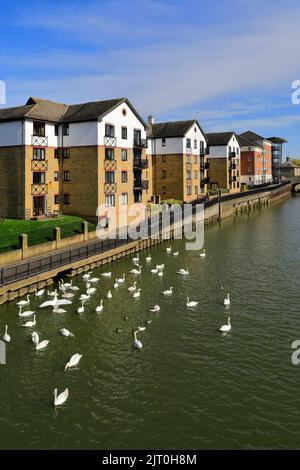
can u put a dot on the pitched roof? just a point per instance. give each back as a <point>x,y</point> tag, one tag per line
<point>171,128</point>
<point>244,142</point>
<point>253,136</point>
<point>289,164</point>
<point>46,110</point>
<point>219,138</point>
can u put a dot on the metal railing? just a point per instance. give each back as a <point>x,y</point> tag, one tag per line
<point>110,188</point>
<point>39,165</point>
<point>110,165</point>
<point>39,189</point>
<point>39,141</point>
<point>110,141</point>
<point>137,142</point>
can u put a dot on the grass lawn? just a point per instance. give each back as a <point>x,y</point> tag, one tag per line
<point>37,231</point>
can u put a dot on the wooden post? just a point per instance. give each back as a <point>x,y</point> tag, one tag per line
<point>23,244</point>
<point>85,231</point>
<point>57,237</point>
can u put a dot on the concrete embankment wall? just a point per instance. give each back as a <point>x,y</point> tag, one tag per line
<point>214,211</point>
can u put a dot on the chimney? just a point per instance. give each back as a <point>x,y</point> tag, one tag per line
<point>151,119</point>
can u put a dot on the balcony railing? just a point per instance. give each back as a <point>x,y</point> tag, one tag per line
<point>110,188</point>
<point>137,184</point>
<point>233,166</point>
<point>39,165</point>
<point>188,151</point>
<point>140,163</point>
<point>110,165</point>
<point>142,143</point>
<point>110,141</point>
<point>39,141</point>
<point>39,189</point>
<point>145,184</point>
<point>205,180</point>
<point>232,154</point>
<point>206,166</point>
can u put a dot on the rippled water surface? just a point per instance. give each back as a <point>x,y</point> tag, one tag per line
<point>189,387</point>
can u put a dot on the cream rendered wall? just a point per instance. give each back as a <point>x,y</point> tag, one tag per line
<point>11,133</point>
<point>191,134</point>
<point>81,134</point>
<point>119,120</point>
<point>218,151</point>
<point>49,132</point>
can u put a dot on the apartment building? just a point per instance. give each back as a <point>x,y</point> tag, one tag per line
<point>179,164</point>
<point>277,149</point>
<point>72,158</point>
<point>256,159</point>
<point>224,161</point>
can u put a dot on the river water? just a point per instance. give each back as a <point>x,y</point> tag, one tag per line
<point>190,387</point>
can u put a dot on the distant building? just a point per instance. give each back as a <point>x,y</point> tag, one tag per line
<point>289,169</point>
<point>178,151</point>
<point>224,161</point>
<point>256,159</point>
<point>277,143</point>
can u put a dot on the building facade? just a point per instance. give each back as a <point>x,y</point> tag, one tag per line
<point>71,159</point>
<point>224,161</point>
<point>256,159</point>
<point>178,151</point>
<point>277,144</point>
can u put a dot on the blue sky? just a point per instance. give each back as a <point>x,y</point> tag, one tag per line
<point>228,63</point>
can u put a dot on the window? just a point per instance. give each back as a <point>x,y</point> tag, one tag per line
<point>56,153</point>
<point>109,130</point>
<point>164,158</point>
<point>124,176</point>
<point>164,189</point>
<point>164,174</point>
<point>163,141</point>
<point>66,153</point>
<point>66,199</point>
<point>56,176</point>
<point>38,154</point>
<point>188,143</point>
<point>56,129</point>
<point>189,190</point>
<point>124,199</point>
<point>66,129</point>
<point>109,177</point>
<point>124,155</point>
<point>124,133</point>
<point>66,175</point>
<point>39,177</point>
<point>109,154</point>
<point>56,199</point>
<point>195,144</point>
<point>137,137</point>
<point>249,159</point>
<point>196,189</point>
<point>195,159</point>
<point>195,174</point>
<point>109,200</point>
<point>188,175</point>
<point>39,129</point>
<point>237,151</point>
<point>201,146</point>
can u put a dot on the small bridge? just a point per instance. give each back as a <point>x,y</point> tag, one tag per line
<point>295,183</point>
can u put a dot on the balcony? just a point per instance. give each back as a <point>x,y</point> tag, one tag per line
<point>145,184</point>
<point>39,165</point>
<point>140,163</point>
<point>188,151</point>
<point>233,166</point>
<point>232,154</point>
<point>39,189</point>
<point>140,143</point>
<point>137,184</point>
<point>39,141</point>
<point>206,166</point>
<point>110,165</point>
<point>205,180</point>
<point>234,178</point>
<point>110,188</point>
<point>110,141</point>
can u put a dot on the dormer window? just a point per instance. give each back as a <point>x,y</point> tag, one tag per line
<point>39,128</point>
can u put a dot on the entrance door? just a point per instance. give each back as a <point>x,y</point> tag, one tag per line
<point>39,205</point>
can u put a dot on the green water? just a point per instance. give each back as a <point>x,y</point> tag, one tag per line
<point>189,387</point>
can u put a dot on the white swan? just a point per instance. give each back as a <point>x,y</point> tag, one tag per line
<point>227,300</point>
<point>168,291</point>
<point>61,398</point>
<point>74,288</point>
<point>132,288</point>
<point>137,344</point>
<point>55,302</point>
<point>169,249</point>
<point>160,267</point>
<point>176,253</point>
<point>154,270</point>
<point>39,293</point>
<point>184,272</point>
<point>136,259</point>
<point>6,337</point>
<point>91,290</point>
<point>191,303</point>
<point>156,308</point>
<point>109,295</point>
<point>94,280</point>
<point>81,309</point>
<point>141,328</point>
<point>136,271</point>
<point>22,303</point>
<point>227,327</point>
<point>160,273</point>
<point>106,274</point>
<point>85,297</point>
<point>67,333</point>
<point>58,310</point>
<point>68,295</point>
<point>42,345</point>
<point>35,338</point>
<point>202,254</point>
<point>86,277</point>
<point>121,280</point>
<point>116,284</point>
<point>148,259</point>
<point>75,359</point>
<point>30,323</point>
<point>28,313</point>
<point>52,294</point>
<point>137,294</point>
<point>100,307</point>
